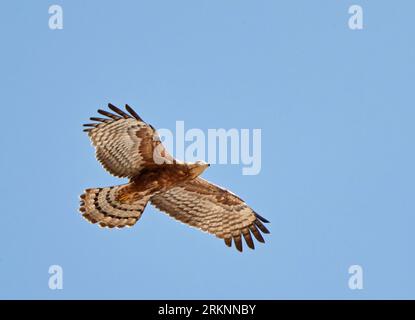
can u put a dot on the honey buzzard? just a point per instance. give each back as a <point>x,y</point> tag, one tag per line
<point>127,147</point>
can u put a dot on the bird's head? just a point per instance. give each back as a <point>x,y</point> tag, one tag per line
<point>197,168</point>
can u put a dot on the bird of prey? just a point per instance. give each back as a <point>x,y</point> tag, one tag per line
<point>128,147</point>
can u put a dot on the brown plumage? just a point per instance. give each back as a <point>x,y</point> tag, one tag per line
<point>128,147</point>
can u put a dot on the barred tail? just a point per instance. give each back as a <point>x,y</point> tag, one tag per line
<point>104,206</point>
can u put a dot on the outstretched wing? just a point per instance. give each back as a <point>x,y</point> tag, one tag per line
<point>210,208</point>
<point>124,143</point>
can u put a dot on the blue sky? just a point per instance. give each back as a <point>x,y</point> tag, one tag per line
<point>336,110</point>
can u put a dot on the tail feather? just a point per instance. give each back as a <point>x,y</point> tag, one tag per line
<point>105,207</point>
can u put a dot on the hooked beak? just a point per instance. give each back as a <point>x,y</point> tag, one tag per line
<point>197,170</point>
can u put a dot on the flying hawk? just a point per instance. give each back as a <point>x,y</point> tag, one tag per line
<point>127,147</point>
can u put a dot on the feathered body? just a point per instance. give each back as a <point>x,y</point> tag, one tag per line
<point>126,146</point>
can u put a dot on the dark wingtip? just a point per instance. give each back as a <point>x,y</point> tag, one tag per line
<point>254,230</point>
<point>108,114</point>
<point>118,111</point>
<point>261,226</point>
<point>117,115</point>
<point>261,218</point>
<point>99,119</point>
<point>238,243</point>
<point>248,239</point>
<point>133,113</point>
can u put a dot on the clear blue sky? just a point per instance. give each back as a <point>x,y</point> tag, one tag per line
<point>336,109</point>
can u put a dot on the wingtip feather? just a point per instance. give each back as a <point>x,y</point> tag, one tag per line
<point>133,113</point>
<point>118,111</point>
<point>261,218</point>
<point>108,114</point>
